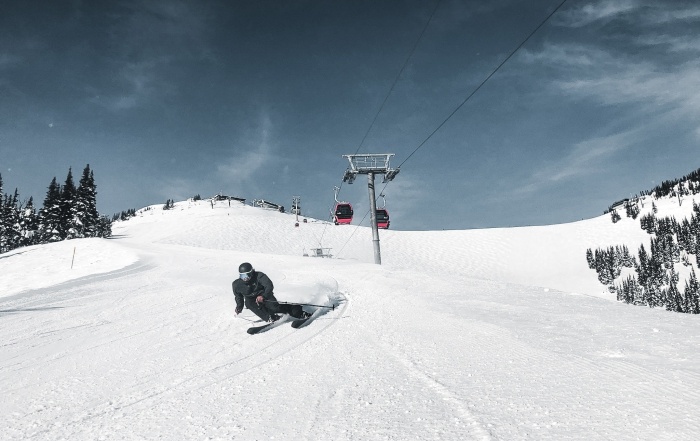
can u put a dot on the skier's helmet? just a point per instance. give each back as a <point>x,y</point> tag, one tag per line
<point>245,271</point>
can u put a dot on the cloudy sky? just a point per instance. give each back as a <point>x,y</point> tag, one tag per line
<point>169,99</point>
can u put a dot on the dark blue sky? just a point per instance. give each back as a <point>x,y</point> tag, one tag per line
<point>169,99</point>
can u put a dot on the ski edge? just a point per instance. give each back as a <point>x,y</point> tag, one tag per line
<point>260,329</point>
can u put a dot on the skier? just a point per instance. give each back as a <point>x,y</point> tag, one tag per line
<point>254,289</point>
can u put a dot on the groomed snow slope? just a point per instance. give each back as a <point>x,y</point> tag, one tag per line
<point>501,334</point>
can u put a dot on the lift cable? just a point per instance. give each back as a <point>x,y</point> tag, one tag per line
<point>483,82</point>
<point>546,19</point>
<point>398,76</point>
<point>396,79</point>
<point>393,85</point>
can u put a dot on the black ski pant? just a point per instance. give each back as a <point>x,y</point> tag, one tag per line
<point>271,306</point>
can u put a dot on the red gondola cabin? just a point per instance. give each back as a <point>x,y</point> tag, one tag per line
<point>382,218</point>
<point>342,214</point>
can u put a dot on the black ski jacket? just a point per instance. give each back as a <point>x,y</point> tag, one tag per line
<point>259,285</point>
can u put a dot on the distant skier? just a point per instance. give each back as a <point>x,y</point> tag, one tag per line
<point>254,289</point>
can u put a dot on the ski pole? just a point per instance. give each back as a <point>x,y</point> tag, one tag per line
<point>302,304</point>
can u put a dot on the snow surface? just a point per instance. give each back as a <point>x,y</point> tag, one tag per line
<point>495,334</point>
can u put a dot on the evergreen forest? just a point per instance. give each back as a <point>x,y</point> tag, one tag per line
<point>68,212</point>
<point>652,278</point>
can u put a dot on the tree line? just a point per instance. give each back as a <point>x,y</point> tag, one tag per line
<point>68,212</point>
<point>654,279</point>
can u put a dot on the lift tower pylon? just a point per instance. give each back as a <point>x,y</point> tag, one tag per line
<point>371,164</point>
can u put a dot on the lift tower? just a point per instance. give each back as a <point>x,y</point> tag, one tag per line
<point>371,164</point>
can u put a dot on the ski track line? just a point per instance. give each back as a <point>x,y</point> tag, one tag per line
<point>316,416</point>
<point>646,385</point>
<point>40,296</point>
<point>255,363</point>
<point>649,382</point>
<point>282,351</point>
<point>476,429</point>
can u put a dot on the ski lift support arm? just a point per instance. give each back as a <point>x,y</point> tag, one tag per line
<point>366,163</point>
<point>371,164</point>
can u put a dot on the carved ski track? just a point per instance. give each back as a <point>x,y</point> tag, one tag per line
<point>476,430</point>
<point>321,412</point>
<point>289,334</point>
<point>650,382</point>
<point>57,294</point>
<point>252,361</point>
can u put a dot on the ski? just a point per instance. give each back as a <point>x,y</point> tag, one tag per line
<point>259,329</point>
<point>266,327</point>
<point>300,323</point>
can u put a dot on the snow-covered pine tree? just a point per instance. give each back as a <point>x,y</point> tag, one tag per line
<point>69,225</point>
<point>624,257</point>
<point>650,275</point>
<point>615,216</point>
<point>11,219</point>
<point>29,222</point>
<point>88,219</point>
<point>692,293</point>
<point>665,250</point>
<point>673,299</point>
<point>50,215</point>
<point>630,291</point>
<point>104,227</point>
<point>607,264</point>
<point>648,223</point>
<point>684,236</point>
<point>590,259</point>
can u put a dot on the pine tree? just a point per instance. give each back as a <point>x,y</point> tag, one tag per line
<point>648,223</point>
<point>673,299</point>
<point>692,293</point>
<point>12,228</point>
<point>88,218</point>
<point>590,259</point>
<point>104,227</point>
<point>624,256</point>
<point>630,291</point>
<point>50,215</point>
<point>651,277</point>
<point>29,222</point>
<point>68,227</point>
<point>615,216</point>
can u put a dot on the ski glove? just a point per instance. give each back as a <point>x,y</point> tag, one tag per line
<point>259,299</point>
<point>239,309</point>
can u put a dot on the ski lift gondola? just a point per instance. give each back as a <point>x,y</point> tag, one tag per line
<point>382,218</point>
<point>382,215</point>
<point>342,211</point>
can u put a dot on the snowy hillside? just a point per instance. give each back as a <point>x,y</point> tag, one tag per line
<point>496,334</point>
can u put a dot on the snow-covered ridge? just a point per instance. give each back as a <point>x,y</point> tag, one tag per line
<point>458,335</point>
<point>552,257</point>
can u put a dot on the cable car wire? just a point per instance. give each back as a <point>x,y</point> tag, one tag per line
<point>398,76</point>
<point>483,82</point>
<point>391,89</point>
<point>512,53</point>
